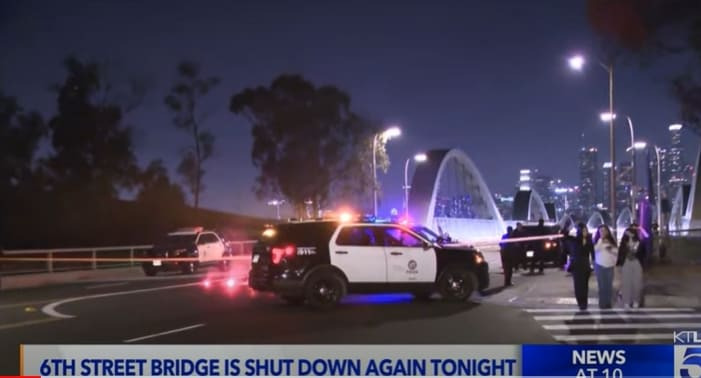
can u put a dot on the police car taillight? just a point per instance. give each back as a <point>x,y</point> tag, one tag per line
<point>280,252</point>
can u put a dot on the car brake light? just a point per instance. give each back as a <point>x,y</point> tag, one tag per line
<point>280,252</point>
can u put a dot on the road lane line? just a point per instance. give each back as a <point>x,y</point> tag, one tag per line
<point>623,337</point>
<point>609,326</point>
<point>635,310</point>
<point>113,284</point>
<point>164,333</point>
<point>621,316</point>
<point>26,323</point>
<point>50,309</point>
<point>23,304</point>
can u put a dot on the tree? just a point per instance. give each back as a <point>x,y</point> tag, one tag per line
<point>156,187</point>
<point>307,143</point>
<point>93,151</point>
<point>184,100</point>
<point>20,134</point>
<point>658,28</point>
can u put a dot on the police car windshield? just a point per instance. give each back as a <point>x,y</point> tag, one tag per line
<point>427,233</point>
<point>178,239</point>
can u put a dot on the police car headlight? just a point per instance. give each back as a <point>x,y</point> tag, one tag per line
<point>479,258</point>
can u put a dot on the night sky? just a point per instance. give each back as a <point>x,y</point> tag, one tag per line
<point>490,77</point>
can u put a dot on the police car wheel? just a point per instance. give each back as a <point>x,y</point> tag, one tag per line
<point>292,299</point>
<point>457,284</point>
<point>324,290</point>
<point>150,271</point>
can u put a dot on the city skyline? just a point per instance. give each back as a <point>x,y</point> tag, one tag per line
<point>455,101</point>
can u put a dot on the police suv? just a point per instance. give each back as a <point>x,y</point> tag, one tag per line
<point>187,249</point>
<point>321,261</point>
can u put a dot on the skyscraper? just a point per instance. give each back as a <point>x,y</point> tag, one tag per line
<point>605,174</point>
<point>675,157</point>
<point>624,183</point>
<point>588,184</point>
<point>524,180</point>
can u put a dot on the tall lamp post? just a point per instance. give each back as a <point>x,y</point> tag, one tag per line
<point>577,63</point>
<point>277,204</point>
<point>419,158</point>
<point>658,202</point>
<point>658,196</point>
<point>382,137</point>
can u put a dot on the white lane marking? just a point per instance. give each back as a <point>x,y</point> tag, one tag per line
<point>50,309</point>
<point>26,323</point>
<point>623,337</point>
<point>599,326</point>
<point>586,316</point>
<point>513,299</point>
<point>113,284</point>
<point>164,333</point>
<point>32,303</point>
<point>644,309</point>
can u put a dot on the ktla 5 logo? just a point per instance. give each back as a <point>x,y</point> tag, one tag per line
<point>687,337</point>
<point>691,363</point>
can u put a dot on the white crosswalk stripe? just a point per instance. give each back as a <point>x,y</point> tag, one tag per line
<point>640,325</point>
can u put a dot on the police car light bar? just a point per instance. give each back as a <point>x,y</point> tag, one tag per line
<point>197,229</point>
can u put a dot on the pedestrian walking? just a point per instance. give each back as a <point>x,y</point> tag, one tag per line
<point>605,258</point>
<point>507,256</point>
<point>631,255</point>
<point>581,249</point>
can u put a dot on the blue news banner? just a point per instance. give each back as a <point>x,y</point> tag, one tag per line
<point>680,359</point>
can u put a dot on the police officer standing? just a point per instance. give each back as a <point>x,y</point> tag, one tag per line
<point>539,250</point>
<point>507,256</point>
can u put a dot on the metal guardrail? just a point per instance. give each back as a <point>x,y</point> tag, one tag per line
<point>28,261</point>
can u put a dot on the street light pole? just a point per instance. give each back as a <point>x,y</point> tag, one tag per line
<point>419,158</point>
<point>374,174</point>
<point>632,166</point>
<point>406,188</point>
<point>577,62</point>
<point>612,147</point>
<point>659,190</point>
<point>277,204</point>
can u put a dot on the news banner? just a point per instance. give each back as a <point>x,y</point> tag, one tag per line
<point>682,358</point>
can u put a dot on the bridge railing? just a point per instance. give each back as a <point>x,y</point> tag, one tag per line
<point>32,261</point>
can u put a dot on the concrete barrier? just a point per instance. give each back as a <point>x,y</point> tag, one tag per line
<point>684,249</point>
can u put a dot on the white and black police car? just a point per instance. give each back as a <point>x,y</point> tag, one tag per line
<point>319,262</point>
<point>186,250</point>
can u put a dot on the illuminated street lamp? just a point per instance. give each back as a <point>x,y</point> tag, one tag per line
<point>607,117</point>
<point>383,137</point>
<point>418,158</point>
<point>577,63</point>
<point>277,204</point>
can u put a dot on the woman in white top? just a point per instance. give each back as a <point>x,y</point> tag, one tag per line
<point>605,257</point>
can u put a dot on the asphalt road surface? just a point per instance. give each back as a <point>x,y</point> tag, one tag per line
<point>178,309</point>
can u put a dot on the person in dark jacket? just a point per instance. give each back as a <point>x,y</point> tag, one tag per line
<point>631,256</point>
<point>581,248</point>
<point>519,248</point>
<point>539,248</point>
<point>508,258</point>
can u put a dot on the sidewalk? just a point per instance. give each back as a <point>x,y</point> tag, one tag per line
<point>665,286</point>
